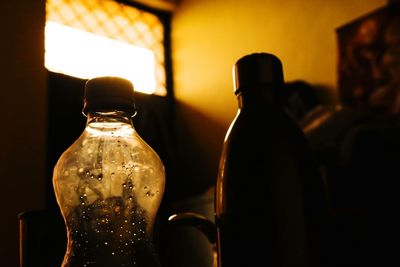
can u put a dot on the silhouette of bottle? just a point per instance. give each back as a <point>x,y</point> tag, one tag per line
<point>270,204</point>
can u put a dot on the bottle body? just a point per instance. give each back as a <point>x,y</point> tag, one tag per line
<point>269,198</point>
<point>109,185</point>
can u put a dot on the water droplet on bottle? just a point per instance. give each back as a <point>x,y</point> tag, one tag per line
<point>124,184</point>
<point>112,253</point>
<point>148,193</point>
<point>145,187</point>
<point>106,243</point>
<point>80,170</point>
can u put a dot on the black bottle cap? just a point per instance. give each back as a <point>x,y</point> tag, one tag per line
<point>109,94</point>
<point>257,69</point>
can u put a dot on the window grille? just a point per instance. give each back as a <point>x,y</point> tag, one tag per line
<point>113,27</point>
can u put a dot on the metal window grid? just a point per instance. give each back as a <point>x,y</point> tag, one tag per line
<point>116,21</point>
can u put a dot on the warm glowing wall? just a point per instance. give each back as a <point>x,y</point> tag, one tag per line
<point>208,36</point>
<point>23,114</point>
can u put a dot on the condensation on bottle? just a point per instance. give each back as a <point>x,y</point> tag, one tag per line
<point>109,183</point>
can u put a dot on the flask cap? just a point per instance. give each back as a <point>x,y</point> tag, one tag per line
<point>109,94</point>
<point>257,69</point>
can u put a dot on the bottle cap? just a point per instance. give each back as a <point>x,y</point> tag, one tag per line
<point>257,69</point>
<point>109,94</point>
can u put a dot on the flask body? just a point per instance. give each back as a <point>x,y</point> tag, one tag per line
<point>269,198</point>
<point>109,184</point>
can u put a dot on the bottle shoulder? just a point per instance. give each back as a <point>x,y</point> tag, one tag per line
<point>266,138</point>
<point>264,122</point>
<point>263,148</point>
<point>125,149</point>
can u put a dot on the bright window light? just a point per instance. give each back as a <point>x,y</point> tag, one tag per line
<point>89,38</point>
<point>86,55</point>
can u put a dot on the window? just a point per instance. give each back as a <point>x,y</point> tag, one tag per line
<point>88,38</point>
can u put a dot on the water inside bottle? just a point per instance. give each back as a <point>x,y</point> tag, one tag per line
<point>110,232</point>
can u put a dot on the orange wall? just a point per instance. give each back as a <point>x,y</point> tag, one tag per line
<point>23,112</point>
<point>208,36</point>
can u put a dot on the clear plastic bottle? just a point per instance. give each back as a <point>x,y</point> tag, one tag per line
<point>270,204</point>
<point>109,183</point>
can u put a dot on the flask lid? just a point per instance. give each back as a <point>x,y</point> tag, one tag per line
<point>257,69</point>
<point>109,94</point>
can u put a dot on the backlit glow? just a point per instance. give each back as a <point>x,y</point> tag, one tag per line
<point>85,55</point>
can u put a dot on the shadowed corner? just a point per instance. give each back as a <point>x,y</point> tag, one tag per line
<point>198,163</point>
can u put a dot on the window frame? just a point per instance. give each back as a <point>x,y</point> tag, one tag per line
<point>165,18</point>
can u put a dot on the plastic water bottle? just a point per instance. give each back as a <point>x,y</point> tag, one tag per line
<point>109,183</point>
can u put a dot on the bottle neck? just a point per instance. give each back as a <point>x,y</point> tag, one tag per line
<point>113,123</point>
<point>259,97</point>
